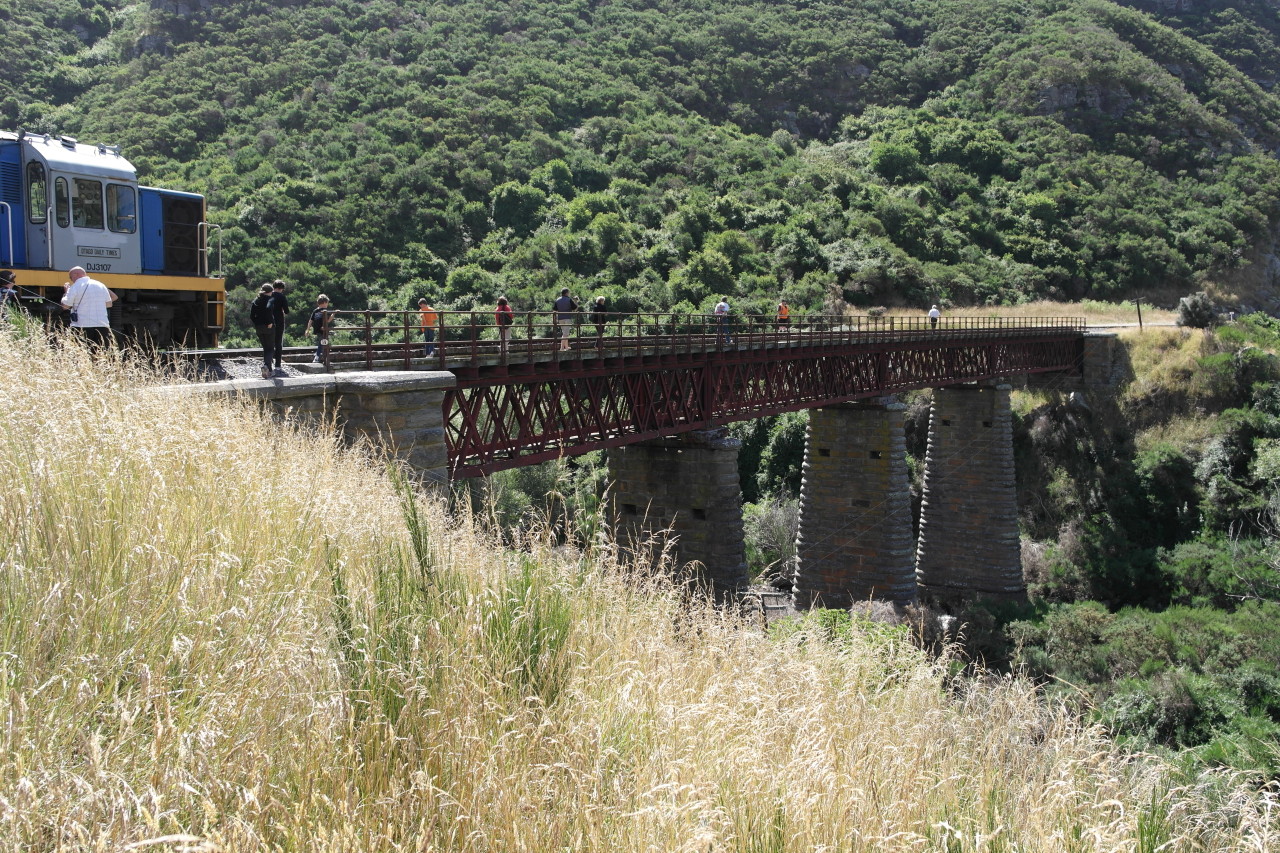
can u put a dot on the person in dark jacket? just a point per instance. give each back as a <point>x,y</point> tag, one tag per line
<point>8,292</point>
<point>600,316</point>
<point>279,310</point>
<point>318,322</point>
<point>264,325</point>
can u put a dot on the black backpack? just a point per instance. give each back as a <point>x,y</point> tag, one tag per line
<point>260,312</point>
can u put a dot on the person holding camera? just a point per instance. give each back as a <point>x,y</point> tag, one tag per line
<point>319,323</point>
<point>88,300</point>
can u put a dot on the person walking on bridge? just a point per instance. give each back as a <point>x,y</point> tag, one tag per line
<point>264,326</point>
<point>279,310</point>
<point>430,320</point>
<point>722,311</point>
<point>319,323</point>
<point>564,307</point>
<point>934,314</point>
<point>784,314</point>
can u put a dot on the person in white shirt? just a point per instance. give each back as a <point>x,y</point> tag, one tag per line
<point>722,320</point>
<point>88,300</point>
<point>934,314</point>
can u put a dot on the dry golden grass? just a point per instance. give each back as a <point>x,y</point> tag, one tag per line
<point>1095,313</point>
<point>220,633</point>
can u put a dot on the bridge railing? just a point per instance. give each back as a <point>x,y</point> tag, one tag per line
<point>474,337</point>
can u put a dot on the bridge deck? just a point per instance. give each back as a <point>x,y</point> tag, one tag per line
<point>660,375</point>
<point>631,378</point>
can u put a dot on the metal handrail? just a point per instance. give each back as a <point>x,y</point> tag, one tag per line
<point>469,336</point>
<point>202,237</point>
<point>8,215</point>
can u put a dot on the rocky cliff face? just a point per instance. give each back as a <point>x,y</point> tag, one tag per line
<point>1176,7</point>
<point>1256,285</point>
<point>182,8</point>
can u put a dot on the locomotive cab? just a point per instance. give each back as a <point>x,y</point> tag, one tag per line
<point>64,204</point>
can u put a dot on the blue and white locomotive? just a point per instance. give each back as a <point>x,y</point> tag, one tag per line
<point>65,204</point>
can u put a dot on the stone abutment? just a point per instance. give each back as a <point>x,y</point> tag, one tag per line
<point>401,411</point>
<point>969,516</point>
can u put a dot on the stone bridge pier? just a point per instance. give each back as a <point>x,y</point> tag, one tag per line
<point>682,493</point>
<point>855,540</point>
<point>969,519</point>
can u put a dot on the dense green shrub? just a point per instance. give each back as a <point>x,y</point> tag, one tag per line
<point>1197,311</point>
<point>1183,677</point>
<point>1221,572</point>
<point>1170,500</point>
<point>782,459</point>
<point>769,529</point>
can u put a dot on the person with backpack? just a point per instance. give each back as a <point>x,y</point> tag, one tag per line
<point>564,307</point>
<point>503,318</point>
<point>318,322</point>
<point>264,324</point>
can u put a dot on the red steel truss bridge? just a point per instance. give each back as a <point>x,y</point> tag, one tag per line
<point>655,376</point>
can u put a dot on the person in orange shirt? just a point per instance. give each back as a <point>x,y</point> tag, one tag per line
<point>430,320</point>
<point>784,314</point>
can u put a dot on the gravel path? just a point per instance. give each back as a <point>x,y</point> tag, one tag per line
<point>247,368</point>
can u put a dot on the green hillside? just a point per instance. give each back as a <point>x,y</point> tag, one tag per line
<point>663,153</point>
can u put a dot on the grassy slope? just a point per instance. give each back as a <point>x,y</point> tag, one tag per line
<point>197,643</point>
